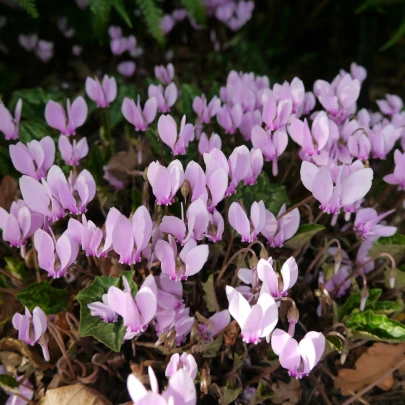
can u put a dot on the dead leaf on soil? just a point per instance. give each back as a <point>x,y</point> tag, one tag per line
<point>370,366</point>
<point>77,394</point>
<point>123,162</point>
<point>286,393</point>
<point>8,190</point>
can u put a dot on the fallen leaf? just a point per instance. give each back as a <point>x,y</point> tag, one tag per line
<point>286,392</point>
<point>123,162</point>
<point>8,190</point>
<point>77,394</point>
<point>11,361</point>
<point>369,367</point>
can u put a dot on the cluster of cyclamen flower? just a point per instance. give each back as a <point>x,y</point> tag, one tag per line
<point>265,117</point>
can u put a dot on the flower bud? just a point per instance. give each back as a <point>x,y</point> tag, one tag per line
<point>253,261</point>
<point>264,254</point>
<point>393,273</point>
<point>292,316</point>
<point>364,295</point>
<point>338,260</point>
<point>185,189</point>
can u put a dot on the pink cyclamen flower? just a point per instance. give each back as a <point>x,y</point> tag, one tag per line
<point>398,177</point>
<point>180,390</point>
<point>73,194</point>
<point>347,189</point>
<point>314,140</point>
<point>25,390</point>
<point>230,118</point>
<point>72,153</point>
<point>275,114</point>
<point>35,159</point>
<point>215,227</point>
<point>272,145</point>
<point>167,129</point>
<point>165,98</point>
<point>63,25</point>
<point>19,224</point>
<point>130,237</point>
<point>278,231</point>
<point>359,145</point>
<point>391,105</point>
<point>383,139</point>
<point>44,50</point>
<point>114,32</point>
<point>274,284</point>
<point>165,74</point>
<point>358,72</point>
<point>136,312</point>
<point>111,179</point>
<point>366,224</point>
<point>256,166</point>
<point>9,125</point>
<point>165,182</point>
<point>238,219</point>
<point>206,145</point>
<point>86,234</point>
<point>206,111</point>
<point>294,91</point>
<point>195,176</point>
<point>126,68</point>
<point>55,256</point>
<point>298,358</point>
<point>167,23</point>
<point>111,220</point>
<point>214,324</point>
<point>134,114</point>
<point>28,42</point>
<point>31,328</point>
<point>102,93</point>
<point>123,44</point>
<point>76,116</point>
<point>103,310</point>
<point>77,50</point>
<point>188,262</point>
<point>239,165</point>
<point>249,120</point>
<point>185,361</point>
<point>256,321</point>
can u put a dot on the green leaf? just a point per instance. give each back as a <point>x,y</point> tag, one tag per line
<point>8,383</point>
<point>353,302</point>
<point>16,267</point>
<point>30,130</point>
<point>51,300</point>
<point>333,343</point>
<point>262,394</point>
<point>210,297</point>
<point>120,8</point>
<point>102,12</point>
<point>230,393</point>
<point>197,10</point>
<point>400,33</point>
<point>304,234</point>
<point>110,334</point>
<point>188,93</point>
<point>394,245</point>
<point>29,6</point>
<point>273,195</point>
<point>211,349</point>
<point>153,17</point>
<point>95,163</point>
<point>371,326</point>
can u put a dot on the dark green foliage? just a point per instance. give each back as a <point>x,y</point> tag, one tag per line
<point>196,9</point>
<point>153,17</point>
<point>29,6</point>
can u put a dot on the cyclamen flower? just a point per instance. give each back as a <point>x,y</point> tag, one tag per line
<point>312,142</point>
<point>206,145</point>
<point>294,91</point>
<point>8,124</point>
<point>44,50</point>
<point>76,116</point>
<point>230,118</point>
<point>391,105</point>
<point>165,99</point>
<point>130,237</point>
<point>165,74</point>
<point>120,44</point>
<point>359,145</point>
<point>180,390</point>
<point>382,139</point>
<point>102,93</point>
<point>275,114</point>
<point>358,72</point>
<point>55,256</point>
<point>347,189</point>
<point>249,121</point>
<point>185,361</point>
<point>398,177</point>
<point>32,327</point>
<point>136,313</point>
<point>366,224</point>
<point>72,153</point>
<point>25,389</point>
<point>278,231</point>
<point>139,118</point>
<point>167,129</point>
<point>256,321</point>
<point>195,176</point>
<point>215,227</point>
<point>239,221</point>
<point>272,282</point>
<point>35,159</point>
<point>197,223</point>
<point>214,324</point>
<point>127,68</point>
<point>189,261</point>
<point>206,112</point>
<point>165,182</point>
<point>28,42</point>
<point>272,145</point>
<point>239,165</point>
<point>19,224</point>
<point>103,310</point>
<point>298,358</point>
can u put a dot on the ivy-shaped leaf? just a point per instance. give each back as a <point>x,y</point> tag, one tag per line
<point>394,245</point>
<point>230,393</point>
<point>304,234</point>
<point>210,297</point>
<point>353,302</point>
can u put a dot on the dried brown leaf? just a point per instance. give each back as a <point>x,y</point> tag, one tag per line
<point>286,392</point>
<point>369,367</point>
<point>77,394</point>
<point>8,191</point>
<point>123,162</point>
